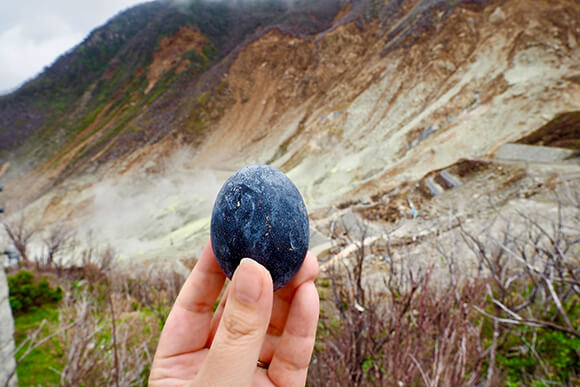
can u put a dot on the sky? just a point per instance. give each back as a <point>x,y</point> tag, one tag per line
<point>34,33</point>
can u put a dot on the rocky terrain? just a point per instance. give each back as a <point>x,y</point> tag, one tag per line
<point>370,107</point>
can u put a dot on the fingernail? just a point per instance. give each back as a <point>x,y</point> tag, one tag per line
<point>248,281</point>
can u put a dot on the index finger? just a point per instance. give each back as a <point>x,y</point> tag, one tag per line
<point>188,324</point>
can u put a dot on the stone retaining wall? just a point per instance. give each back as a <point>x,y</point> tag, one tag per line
<point>7,363</point>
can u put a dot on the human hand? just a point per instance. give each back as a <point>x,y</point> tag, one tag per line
<point>200,348</point>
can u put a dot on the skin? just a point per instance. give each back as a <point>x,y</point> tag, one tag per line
<point>201,348</point>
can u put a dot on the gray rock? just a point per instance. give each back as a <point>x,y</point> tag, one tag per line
<point>354,225</point>
<point>497,16</point>
<point>316,238</point>
<point>320,245</point>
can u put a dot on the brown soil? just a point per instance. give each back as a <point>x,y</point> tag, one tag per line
<point>90,133</point>
<point>465,168</point>
<point>170,51</point>
<point>278,80</point>
<point>386,212</point>
<point>36,181</point>
<point>279,87</point>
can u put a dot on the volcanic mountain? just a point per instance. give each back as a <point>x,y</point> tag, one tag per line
<point>377,108</point>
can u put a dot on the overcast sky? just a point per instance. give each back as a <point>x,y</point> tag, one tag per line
<point>33,33</point>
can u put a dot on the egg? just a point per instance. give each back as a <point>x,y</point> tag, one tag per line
<point>260,214</point>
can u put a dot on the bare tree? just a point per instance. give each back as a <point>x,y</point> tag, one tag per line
<point>154,287</point>
<point>521,304</point>
<point>20,233</point>
<point>533,267</point>
<point>101,348</point>
<point>398,332</point>
<point>34,340</point>
<point>57,239</point>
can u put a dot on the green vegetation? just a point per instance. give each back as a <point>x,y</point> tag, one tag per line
<point>40,366</point>
<point>512,323</point>
<point>509,323</point>
<point>210,52</point>
<point>35,306</point>
<point>557,352</point>
<point>26,294</point>
<point>529,351</point>
<point>48,103</point>
<point>202,100</point>
<point>362,346</point>
<point>198,121</point>
<point>72,343</point>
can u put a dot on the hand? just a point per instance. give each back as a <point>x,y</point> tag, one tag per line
<point>251,323</point>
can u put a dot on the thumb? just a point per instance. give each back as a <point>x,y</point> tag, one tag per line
<point>232,357</point>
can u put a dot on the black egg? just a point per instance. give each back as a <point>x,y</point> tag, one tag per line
<point>260,214</point>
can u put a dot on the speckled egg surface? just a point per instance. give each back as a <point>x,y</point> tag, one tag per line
<point>260,214</point>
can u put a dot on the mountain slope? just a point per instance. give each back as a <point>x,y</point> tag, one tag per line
<point>356,115</point>
<point>353,100</point>
<point>110,75</point>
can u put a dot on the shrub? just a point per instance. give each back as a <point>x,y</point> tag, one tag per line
<point>412,337</point>
<point>514,321</point>
<point>26,294</point>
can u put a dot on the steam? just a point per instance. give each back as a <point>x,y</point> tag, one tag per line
<point>152,214</point>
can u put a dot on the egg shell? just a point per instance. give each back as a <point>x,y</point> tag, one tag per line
<point>260,214</point>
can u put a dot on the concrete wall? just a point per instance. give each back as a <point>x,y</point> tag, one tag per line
<point>532,153</point>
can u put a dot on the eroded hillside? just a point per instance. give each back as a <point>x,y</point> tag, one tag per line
<point>353,100</point>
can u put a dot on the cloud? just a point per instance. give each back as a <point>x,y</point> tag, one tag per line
<point>22,55</point>
<point>34,33</point>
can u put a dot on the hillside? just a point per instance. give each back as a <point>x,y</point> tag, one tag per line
<point>124,77</point>
<point>133,131</point>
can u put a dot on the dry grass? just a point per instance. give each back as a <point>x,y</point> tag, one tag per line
<point>109,321</point>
